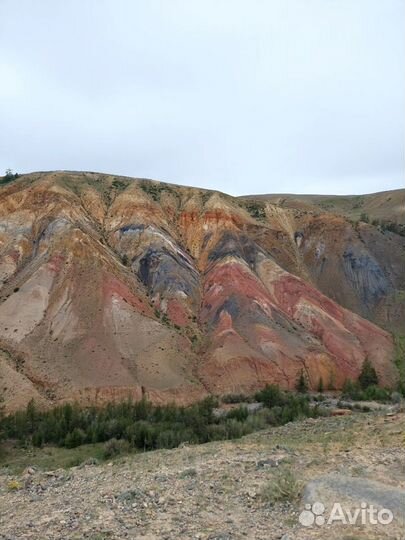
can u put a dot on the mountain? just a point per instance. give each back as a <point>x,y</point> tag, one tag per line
<point>113,286</point>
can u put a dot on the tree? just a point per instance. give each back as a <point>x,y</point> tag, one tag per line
<point>9,175</point>
<point>75,438</point>
<point>271,396</point>
<point>301,384</point>
<point>368,375</point>
<point>320,385</point>
<point>31,413</point>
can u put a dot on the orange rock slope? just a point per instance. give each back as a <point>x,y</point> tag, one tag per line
<point>113,286</point>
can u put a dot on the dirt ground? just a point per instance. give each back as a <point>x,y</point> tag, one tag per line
<point>222,490</point>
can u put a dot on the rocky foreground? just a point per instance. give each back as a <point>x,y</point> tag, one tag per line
<point>222,490</point>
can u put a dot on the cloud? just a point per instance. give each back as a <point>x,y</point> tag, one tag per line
<point>241,96</point>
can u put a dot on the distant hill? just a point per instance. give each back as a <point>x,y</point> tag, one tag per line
<point>383,206</point>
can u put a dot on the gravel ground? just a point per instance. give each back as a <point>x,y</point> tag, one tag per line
<point>219,490</point>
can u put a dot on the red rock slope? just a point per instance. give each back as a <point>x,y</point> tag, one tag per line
<point>114,286</point>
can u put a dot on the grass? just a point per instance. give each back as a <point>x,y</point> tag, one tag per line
<point>14,485</point>
<point>188,473</point>
<point>16,459</point>
<point>283,487</point>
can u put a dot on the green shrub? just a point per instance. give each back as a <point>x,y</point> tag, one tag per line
<point>391,226</point>
<point>155,189</point>
<point>236,398</point>
<point>146,426</point>
<point>375,393</point>
<point>353,390</point>
<point>285,406</point>
<point>399,359</point>
<point>241,414</point>
<point>284,487</point>
<point>120,184</point>
<point>368,376</point>
<point>256,210</point>
<point>9,176</point>
<point>14,485</point>
<point>188,473</point>
<point>364,217</point>
<point>271,396</point>
<point>114,447</point>
<point>74,438</point>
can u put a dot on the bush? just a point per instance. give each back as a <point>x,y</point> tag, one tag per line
<point>241,414</point>
<point>270,396</point>
<point>75,438</point>
<point>155,189</point>
<point>146,426</point>
<point>319,398</point>
<point>391,226</point>
<point>364,217</point>
<point>236,398</point>
<point>114,447</point>
<point>375,393</point>
<point>256,210</point>
<point>14,485</point>
<point>396,397</point>
<point>284,487</point>
<point>284,406</point>
<point>353,390</point>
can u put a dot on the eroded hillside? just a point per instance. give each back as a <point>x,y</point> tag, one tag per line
<point>113,286</point>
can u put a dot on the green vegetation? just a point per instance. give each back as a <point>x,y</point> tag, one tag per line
<point>9,176</point>
<point>364,217</point>
<point>141,425</point>
<point>353,390</point>
<point>155,189</point>
<point>368,376</point>
<point>256,209</point>
<point>236,398</point>
<point>399,359</point>
<point>391,226</point>
<point>284,487</point>
<point>286,406</point>
<point>14,485</point>
<point>17,457</point>
<point>302,383</point>
<point>358,202</point>
<point>366,387</point>
<point>124,259</point>
<point>120,184</point>
<point>115,447</point>
<point>206,195</point>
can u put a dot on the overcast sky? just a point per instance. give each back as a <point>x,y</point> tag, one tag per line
<point>304,96</point>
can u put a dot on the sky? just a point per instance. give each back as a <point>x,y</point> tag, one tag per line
<point>253,96</point>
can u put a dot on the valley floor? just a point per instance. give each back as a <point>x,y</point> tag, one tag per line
<point>220,490</point>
